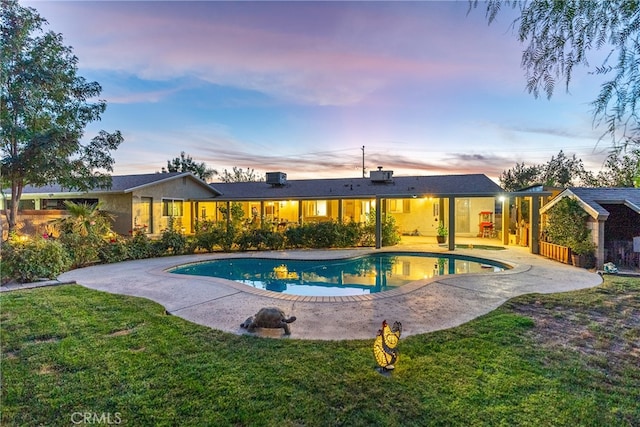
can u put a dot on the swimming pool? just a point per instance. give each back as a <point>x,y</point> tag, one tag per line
<point>367,274</point>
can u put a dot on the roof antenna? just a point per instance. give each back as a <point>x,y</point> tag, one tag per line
<point>363,170</point>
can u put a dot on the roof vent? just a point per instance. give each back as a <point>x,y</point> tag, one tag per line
<point>381,175</point>
<point>276,178</point>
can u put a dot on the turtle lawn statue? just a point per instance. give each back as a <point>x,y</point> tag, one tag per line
<point>269,317</point>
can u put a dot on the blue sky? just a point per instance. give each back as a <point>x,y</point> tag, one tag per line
<point>300,87</point>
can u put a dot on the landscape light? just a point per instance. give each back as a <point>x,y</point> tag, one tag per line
<point>385,346</point>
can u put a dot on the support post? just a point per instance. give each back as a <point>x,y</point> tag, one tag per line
<point>600,243</point>
<point>452,223</point>
<point>534,225</point>
<point>506,219</point>
<point>261,212</point>
<point>378,222</point>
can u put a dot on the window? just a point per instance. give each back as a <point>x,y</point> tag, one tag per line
<point>399,205</point>
<point>28,204</point>
<point>58,204</point>
<point>171,207</point>
<point>317,208</point>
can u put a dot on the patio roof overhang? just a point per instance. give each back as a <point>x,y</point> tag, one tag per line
<point>412,195</point>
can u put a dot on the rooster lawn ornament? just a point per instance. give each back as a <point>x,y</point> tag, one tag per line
<point>384,346</point>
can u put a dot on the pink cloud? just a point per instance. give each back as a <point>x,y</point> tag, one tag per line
<point>317,55</point>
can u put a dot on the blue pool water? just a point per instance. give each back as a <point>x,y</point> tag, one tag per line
<point>339,277</point>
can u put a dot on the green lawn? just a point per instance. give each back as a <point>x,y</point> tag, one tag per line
<point>556,360</point>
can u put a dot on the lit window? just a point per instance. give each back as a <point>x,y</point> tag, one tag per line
<point>321,208</point>
<point>171,207</point>
<point>317,208</point>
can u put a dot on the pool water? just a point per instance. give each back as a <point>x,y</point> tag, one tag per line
<point>339,277</point>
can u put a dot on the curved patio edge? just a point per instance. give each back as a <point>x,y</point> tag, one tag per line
<point>422,306</point>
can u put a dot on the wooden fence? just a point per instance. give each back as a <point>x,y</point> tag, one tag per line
<point>556,252</point>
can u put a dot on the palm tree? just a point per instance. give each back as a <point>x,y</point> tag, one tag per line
<point>84,219</point>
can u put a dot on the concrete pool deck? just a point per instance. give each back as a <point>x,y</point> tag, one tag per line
<point>424,306</point>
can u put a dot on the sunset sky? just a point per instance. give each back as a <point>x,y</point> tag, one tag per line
<point>300,87</point>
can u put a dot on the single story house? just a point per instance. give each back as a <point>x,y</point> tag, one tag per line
<point>614,221</point>
<point>145,201</point>
<point>469,205</point>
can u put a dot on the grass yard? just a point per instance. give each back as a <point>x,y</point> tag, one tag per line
<point>568,359</point>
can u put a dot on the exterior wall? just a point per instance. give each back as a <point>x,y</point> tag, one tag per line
<point>420,216</point>
<point>594,227</point>
<point>178,189</point>
<point>33,222</point>
<point>38,221</point>
<point>621,227</point>
<point>127,208</point>
<point>118,205</point>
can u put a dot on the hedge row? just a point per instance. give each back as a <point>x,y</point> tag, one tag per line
<point>27,260</point>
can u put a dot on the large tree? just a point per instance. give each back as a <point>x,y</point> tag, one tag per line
<point>563,171</point>
<point>560,171</point>
<point>559,35</point>
<point>519,177</point>
<point>621,169</point>
<point>239,175</point>
<point>185,163</point>
<point>44,108</point>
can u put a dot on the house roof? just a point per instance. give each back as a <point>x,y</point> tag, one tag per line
<point>408,186</point>
<point>592,199</point>
<point>121,184</point>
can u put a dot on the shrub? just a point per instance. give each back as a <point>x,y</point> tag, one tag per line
<point>82,232</point>
<point>228,234</point>
<point>84,219</point>
<point>390,234</point>
<point>583,247</point>
<point>274,240</point>
<point>294,236</point>
<point>231,225</point>
<point>83,250</point>
<point>207,235</point>
<point>567,226</point>
<point>349,235</point>
<point>304,236</point>
<point>330,234</point>
<point>33,259</point>
<point>249,239</point>
<point>172,242</point>
<point>566,223</point>
<point>140,247</point>
<point>261,238</point>
<point>114,250</point>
